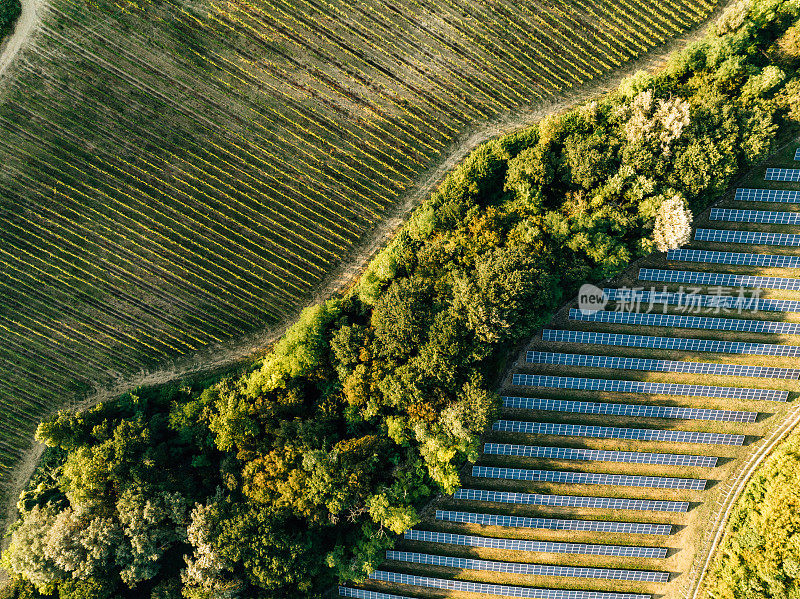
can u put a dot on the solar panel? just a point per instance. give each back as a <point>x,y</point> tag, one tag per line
<point>782,174</point>
<point>598,455</point>
<point>363,594</point>
<point>587,478</point>
<point>622,386</point>
<point>612,432</point>
<point>784,196</point>
<point>740,302</point>
<point>754,216</point>
<point>525,569</point>
<point>496,589</point>
<point>688,322</point>
<point>750,237</point>
<point>581,501</point>
<point>650,365</point>
<point>797,154</point>
<point>737,258</point>
<point>717,278</point>
<point>446,538</point>
<point>672,343</point>
<point>637,410</point>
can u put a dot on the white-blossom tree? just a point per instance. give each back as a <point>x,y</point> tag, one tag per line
<point>673,225</point>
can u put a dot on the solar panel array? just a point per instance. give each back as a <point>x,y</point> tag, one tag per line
<point>688,322</point>
<point>755,216</point>
<point>496,589</point>
<point>782,174</point>
<point>737,258</point>
<point>616,409</point>
<point>611,432</point>
<point>587,478</point>
<point>717,278</point>
<point>581,501</point>
<point>676,343</point>
<point>797,154</point>
<point>533,546</point>
<point>751,237</point>
<point>364,594</point>
<point>469,563</point>
<point>598,455</point>
<point>784,196</point>
<point>739,302</point>
<point>621,386</point>
<point>651,365</point>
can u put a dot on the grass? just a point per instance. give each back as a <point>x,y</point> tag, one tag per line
<point>689,527</point>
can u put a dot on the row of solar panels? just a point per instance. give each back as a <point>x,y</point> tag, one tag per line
<point>478,587</point>
<point>672,343</point>
<point>612,432</point>
<point>767,217</point>
<point>735,258</point>
<point>578,501</point>
<point>749,237</point>
<point>526,569</point>
<point>642,299</point>
<point>625,386</point>
<point>712,323</point>
<point>718,279</point>
<point>653,365</point>
<point>598,455</point>
<point>637,410</point>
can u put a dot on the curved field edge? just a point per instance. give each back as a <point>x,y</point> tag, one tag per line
<point>356,262</point>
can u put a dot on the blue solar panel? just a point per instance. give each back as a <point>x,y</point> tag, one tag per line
<point>750,237</point>
<point>496,589</point>
<point>643,299</point>
<point>736,258</point>
<point>525,569</point>
<point>581,501</point>
<point>598,455</point>
<point>446,538</point>
<point>784,196</point>
<point>651,365</point>
<point>621,386</point>
<point>688,322</point>
<point>755,216</point>
<point>716,278</point>
<point>586,478</point>
<point>637,410</point>
<point>612,432</point>
<point>672,343</point>
<point>782,174</point>
<point>362,594</point>
<point>797,154</point>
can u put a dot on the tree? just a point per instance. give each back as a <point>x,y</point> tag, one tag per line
<point>673,225</point>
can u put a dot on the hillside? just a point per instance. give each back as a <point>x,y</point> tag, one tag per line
<point>176,176</point>
<point>298,472</point>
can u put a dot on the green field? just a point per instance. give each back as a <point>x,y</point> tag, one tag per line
<point>175,176</point>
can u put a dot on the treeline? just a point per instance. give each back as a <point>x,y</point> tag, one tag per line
<point>759,557</point>
<point>281,481</point>
<point>9,13</point>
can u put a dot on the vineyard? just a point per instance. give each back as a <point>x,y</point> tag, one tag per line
<point>177,175</point>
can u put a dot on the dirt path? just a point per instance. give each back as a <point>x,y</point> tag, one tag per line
<point>352,264</point>
<point>23,29</point>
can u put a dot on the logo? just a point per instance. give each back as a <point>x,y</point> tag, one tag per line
<point>591,299</point>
